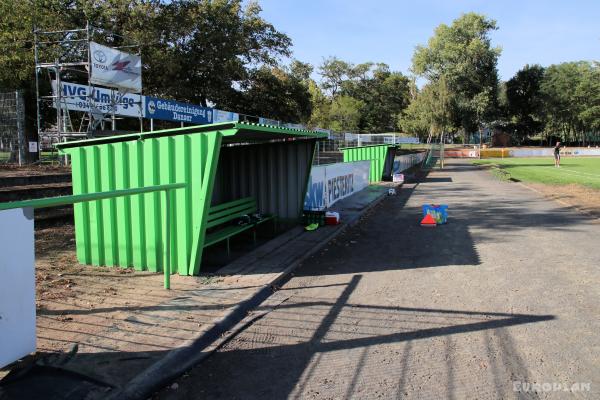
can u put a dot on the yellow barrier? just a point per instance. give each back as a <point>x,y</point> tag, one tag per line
<point>495,153</point>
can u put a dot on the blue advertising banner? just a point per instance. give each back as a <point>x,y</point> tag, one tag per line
<point>169,110</point>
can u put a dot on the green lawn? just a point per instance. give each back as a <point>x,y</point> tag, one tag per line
<point>583,171</point>
<point>47,157</point>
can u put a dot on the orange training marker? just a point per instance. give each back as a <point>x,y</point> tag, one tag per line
<point>428,221</point>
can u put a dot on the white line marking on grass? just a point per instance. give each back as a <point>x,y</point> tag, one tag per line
<point>576,173</point>
<point>580,172</point>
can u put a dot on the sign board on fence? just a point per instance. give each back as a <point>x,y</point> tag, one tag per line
<point>407,140</point>
<point>330,183</point>
<point>104,100</point>
<point>169,110</point>
<point>405,161</point>
<point>315,191</point>
<point>345,179</point>
<point>17,285</point>
<point>225,116</point>
<point>268,121</point>
<point>114,68</point>
<point>294,126</point>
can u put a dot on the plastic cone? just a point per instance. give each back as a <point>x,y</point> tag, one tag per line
<point>428,221</point>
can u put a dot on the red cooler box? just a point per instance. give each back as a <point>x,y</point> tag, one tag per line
<point>332,218</point>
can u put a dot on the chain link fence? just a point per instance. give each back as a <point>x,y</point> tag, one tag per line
<point>12,128</point>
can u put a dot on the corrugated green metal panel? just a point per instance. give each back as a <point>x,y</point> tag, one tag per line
<point>130,231</point>
<point>275,174</point>
<point>378,155</point>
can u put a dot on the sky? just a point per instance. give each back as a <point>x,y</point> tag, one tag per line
<point>530,31</point>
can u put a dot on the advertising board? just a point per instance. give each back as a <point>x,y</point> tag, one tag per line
<point>104,100</point>
<point>169,110</point>
<point>333,182</point>
<point>114,68</point>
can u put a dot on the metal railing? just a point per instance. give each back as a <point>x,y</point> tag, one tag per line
<point>168,189</point>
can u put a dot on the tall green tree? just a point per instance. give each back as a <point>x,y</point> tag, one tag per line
<point>385,94</point>
<point>193,50</point>
<point>571,100</point>
<point>333,73</point>
<point>430,112</point>
<point>462,54</point>
<point>345,114</point>
<point>275,93</point>
<point>524,101</point>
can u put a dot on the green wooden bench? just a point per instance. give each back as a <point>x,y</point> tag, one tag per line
<point>225,213</point>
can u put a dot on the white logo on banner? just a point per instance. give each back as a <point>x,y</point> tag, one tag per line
<point>114,68</point>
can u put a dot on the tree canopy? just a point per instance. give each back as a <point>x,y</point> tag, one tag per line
<point>370,92</point>
<point>199,51</point>
<point>223,53</point>
<point>462,56</point>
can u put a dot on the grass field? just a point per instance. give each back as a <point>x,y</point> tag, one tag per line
<point>582,171</point>
<point>46,157</point>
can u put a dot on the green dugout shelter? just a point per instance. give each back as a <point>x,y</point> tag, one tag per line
<point>219,163</point>
<point>381,157</point>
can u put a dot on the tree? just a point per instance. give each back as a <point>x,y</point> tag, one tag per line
<point>320,105</point>
<point>192,50</point>
<point>524,100</point>
<point>462,55</point>
<point>571,99</point>
<point>430,111</point>
<point>588,91</point>
<point>415,118</point>
<point>385,93</point>
<point>333,73</point>
<point>345,114</point>
<point>277,94</point>
<point>301,71</point>
<point>210,46</point>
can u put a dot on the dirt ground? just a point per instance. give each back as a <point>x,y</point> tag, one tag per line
<point>580,197</point>
<point>77,302</point>
<point>15,170</point>
<point>503,297</point>
<point>59,274</point>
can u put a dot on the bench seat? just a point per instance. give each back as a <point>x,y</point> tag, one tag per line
<point>222,214</point>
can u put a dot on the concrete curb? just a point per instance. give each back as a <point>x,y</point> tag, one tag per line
<point>176,362</point>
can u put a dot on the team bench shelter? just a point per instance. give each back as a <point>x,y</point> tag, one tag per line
<point>237,176</point>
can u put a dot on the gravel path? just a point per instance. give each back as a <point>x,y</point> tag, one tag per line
<point>504,296</point>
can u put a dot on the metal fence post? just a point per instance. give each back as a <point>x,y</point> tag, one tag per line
<point>167,266</point>
<point>20,116</point>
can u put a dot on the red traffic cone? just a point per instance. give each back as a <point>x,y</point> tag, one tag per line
<point>428,221</point>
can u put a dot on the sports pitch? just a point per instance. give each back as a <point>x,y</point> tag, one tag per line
<point>577,170</point>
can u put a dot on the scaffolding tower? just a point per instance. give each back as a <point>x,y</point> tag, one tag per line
<point>65,55</point>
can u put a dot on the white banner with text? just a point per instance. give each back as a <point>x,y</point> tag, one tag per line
<point>333,182</point>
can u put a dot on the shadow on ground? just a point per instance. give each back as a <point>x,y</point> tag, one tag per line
<point>303,341</point>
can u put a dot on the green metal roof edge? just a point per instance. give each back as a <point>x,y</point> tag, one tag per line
<point>226,128</point>
<point>370,145</point>
<point>279,129</point>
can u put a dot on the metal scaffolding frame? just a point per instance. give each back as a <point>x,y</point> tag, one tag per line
<point>66,53</point>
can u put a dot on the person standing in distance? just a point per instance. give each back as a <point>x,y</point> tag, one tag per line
<point>557,155</point>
